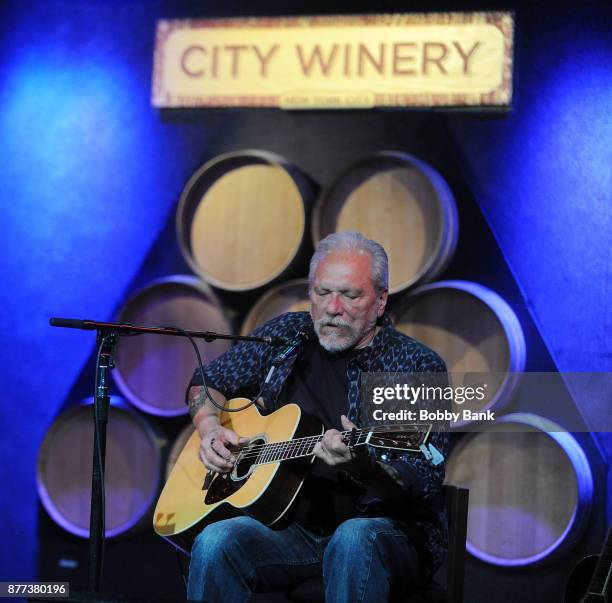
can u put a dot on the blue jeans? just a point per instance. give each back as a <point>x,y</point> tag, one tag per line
<point>364,560</point>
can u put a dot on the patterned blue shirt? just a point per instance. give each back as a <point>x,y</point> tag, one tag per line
<point>242,372</point>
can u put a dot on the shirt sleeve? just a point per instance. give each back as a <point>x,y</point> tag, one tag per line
<point>409,477</point>
<point>241,371</point>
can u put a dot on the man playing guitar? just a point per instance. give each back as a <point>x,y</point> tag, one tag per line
<point>371,523</point>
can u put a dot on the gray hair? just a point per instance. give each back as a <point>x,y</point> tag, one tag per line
<point>353,241</point>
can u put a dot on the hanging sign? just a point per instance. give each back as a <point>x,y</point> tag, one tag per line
<point>438,59</point>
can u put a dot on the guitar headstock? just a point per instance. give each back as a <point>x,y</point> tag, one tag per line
<point>407,438</point>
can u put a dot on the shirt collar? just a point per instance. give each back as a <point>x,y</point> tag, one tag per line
<point>369,354</point>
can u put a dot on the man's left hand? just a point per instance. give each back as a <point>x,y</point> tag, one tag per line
<point>332,450</point>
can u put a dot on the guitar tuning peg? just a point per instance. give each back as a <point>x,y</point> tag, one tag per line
<point>432,454</point>
<point>436,455</point>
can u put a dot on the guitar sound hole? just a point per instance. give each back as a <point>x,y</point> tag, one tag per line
<point>247,458</point>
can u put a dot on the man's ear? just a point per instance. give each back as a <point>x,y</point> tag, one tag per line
<point>382,302</point>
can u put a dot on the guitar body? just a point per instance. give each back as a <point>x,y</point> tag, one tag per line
<point>264,491</point>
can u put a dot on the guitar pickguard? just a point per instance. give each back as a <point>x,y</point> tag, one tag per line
<point>225,485</point>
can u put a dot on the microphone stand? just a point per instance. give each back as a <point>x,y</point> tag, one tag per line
<point>105,344</point>
<point>107,333</point>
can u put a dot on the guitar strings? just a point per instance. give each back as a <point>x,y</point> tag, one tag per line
<point>272,449</point>
<point>285,444</point>
<point>275,454</point>
<point>313,439</point>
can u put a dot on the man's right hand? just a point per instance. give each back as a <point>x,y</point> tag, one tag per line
<point>216,440</point>
<point>215,450</point>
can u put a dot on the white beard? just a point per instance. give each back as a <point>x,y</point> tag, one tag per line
<point>338,340</point>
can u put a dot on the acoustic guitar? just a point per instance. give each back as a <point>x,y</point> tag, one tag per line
<point>268,472</point>
<point>591,580</point>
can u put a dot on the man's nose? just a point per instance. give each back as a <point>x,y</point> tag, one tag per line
<point>334,305</point>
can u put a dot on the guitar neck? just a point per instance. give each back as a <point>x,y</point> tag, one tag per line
<point>297,448</point>
<point>401,437</point>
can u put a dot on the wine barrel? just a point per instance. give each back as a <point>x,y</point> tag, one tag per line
<point>152,371</point>
<point>399,201</point>
<point>531,490</point>
<point>134,450</point>
<point>241,219</point>
<point>473,329</point>
<point>291,296</point>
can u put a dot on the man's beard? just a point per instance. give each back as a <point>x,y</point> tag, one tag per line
<point>340,340</point>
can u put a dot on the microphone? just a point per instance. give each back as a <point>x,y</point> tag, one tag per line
<point>301,337</point>
<point>304,335</point>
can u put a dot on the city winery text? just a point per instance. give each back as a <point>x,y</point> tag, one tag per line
<point>334,60</point>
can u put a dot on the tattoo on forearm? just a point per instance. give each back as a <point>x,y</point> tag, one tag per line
<point>196,400</point>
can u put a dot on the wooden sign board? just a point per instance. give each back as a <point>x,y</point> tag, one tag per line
<point>418,60</point>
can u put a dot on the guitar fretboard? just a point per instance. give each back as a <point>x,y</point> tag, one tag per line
<point>292,449</point>
<point>304,447</point>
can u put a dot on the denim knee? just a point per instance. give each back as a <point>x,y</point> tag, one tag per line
<point>220,537</point>
<point>208,540</point>
<point>352,536</point>
<point>219,569</point>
